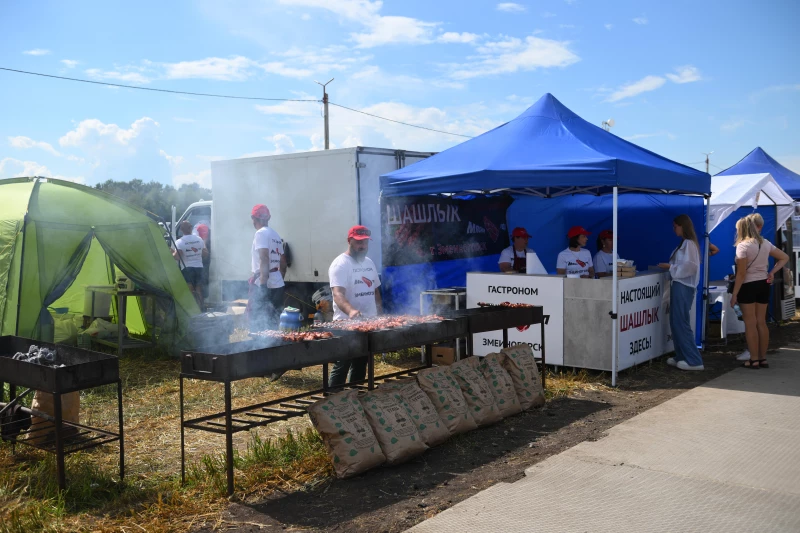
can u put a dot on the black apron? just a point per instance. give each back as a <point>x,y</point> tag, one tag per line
<point>520,263</point>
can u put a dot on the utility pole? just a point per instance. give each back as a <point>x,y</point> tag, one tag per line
<point>707,160</point>
<point>325,103</point>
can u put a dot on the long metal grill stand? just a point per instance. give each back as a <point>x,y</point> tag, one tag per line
<point>245,360</point>
<point>82,370</point>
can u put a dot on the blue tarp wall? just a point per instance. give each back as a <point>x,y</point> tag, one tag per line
<point>645,235</point>
<point>723,235</point>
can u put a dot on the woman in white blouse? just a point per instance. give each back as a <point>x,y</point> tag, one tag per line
<point>684,269</point>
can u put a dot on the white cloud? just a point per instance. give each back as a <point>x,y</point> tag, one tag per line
<point>128,76</point>
<point>455,37</point>
<point>69,63</point>
<point>548,14</point>
<point>609,27</point>
<point>567,26</point>
<point>293,109</point>
<point>648,83</point>
<point>511,7</point>
<point>305,16</point>
<point>668,135</point>
<point>37,52</point>
<point>641,20</point>
<point>26,142</point>
<point>280,68</point>
<point>282,142</point>
<point>511,55</point>
<point>686,74</point>
<point>758,95</point>
<point>214,68</point>
<point>19,168</point>
<point>351,9</point>
<point>174,160</point>
<point>394,30</point>
<point>184,120</point>
<point>733,124</point>
<point>92,131</point>
<point>570,2</point>
<point>203,178</point>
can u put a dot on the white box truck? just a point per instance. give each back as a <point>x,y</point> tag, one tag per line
<point>313,197</point>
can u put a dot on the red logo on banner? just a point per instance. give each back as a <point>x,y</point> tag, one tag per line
<point>581,263</point>
<point>523,328</point>
<point>494,233</point>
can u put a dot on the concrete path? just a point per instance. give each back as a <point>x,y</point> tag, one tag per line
<point>722,457</point>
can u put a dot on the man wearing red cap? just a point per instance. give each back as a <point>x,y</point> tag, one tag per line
<point>268,267</point>
<point>605,258</point>
<point>356,293</point>
<point>513,258</point>
<point>576,261</point>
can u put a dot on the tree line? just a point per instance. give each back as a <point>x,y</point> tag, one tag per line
<point>156,197</point>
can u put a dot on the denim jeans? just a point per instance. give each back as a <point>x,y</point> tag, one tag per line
<point>356,367</point>
<point>681,298</point>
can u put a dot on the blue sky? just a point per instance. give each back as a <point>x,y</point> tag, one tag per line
<point>679,78</point>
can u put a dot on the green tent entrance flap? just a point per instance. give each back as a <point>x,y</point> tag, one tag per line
<point>57,238</point>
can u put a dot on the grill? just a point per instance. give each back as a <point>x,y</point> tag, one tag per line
<point>413,335</point>
<point>262,357</point>
<point>83,369</point>
<point>482,319</point>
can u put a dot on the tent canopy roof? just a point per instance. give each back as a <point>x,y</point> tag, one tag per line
<point>730,192</point>
<point>546,151</point>
<point>757,162</point>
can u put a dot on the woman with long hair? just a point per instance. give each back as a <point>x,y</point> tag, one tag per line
<point>605,260</point>
<point>684,269</point>
<point>576,260</point>
<point>751,288</point>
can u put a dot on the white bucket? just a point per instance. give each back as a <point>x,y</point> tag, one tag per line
<point>97,300</point>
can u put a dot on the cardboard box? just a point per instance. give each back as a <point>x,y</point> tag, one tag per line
<point>626,271</point>
<point>443,354</point>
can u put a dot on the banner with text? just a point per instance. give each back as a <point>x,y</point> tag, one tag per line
<point>644,331</point>
<point>547,291</point>
<point>424,229</point>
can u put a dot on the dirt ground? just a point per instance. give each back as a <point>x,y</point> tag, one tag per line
<point>392,499</point>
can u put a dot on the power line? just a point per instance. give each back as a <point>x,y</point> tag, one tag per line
<point>233,97</point>
<point>156,90</point>
<point>399,122</point>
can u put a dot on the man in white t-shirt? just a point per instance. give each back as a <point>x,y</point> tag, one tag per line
<point>268,267</point>
<point>514,258</point>
<point>190,250</point>
<point>356,292</point>
<point>575,260</point>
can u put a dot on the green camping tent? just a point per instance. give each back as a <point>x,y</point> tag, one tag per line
<point>57,238</point>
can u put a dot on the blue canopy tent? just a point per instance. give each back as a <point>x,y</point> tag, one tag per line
<point>548,152</point>
<point>757,162</point>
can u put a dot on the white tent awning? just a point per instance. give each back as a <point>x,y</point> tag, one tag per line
<point>729,193</point>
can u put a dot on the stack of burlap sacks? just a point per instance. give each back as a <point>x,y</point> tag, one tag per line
<point>401,419</point>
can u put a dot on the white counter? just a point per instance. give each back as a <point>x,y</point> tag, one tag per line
<point>580,327</point>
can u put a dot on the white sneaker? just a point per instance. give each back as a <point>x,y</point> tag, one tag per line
<point>744,356</point>
<point>683,365</point>
<point>672,362</point>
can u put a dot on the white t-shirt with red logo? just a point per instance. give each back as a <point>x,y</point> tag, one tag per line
<point>359,281</point>
<point>575,262</point>
<point>190,248</point>
<point>268,238</point>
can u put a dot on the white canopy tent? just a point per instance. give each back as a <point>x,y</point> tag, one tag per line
<point>729,193</point>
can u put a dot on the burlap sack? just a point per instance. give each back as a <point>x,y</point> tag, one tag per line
<point>521,366</point>
<point>344,428</point>
<point>393,423</point>
<point>479,397</point>
<point>42,430</point>
<point>500,383</point>
<point>431,428</point>
<point>443,390</point>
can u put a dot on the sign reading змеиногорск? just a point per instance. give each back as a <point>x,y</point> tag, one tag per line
<point>536,290</point>
<point>643,321</point>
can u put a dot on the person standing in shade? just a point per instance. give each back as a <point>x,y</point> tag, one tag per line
<point>356,293</point>
<point>576,261</point>
<point>190,250</point>
<point>605,258</point>
<point>268,267</point>
<point>684,269</point>
<point>514,258</point>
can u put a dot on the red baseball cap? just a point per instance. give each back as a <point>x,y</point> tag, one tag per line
<point>202,231</point>
<point>574,231</point>
<point>359,233</point>
<point>606,234</point>
<point>520,232</point>
<point>260,211</point>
